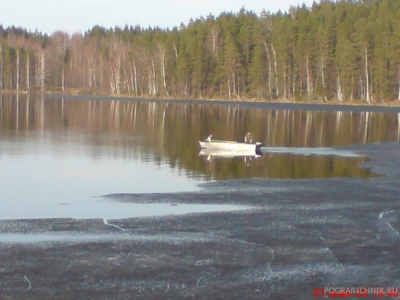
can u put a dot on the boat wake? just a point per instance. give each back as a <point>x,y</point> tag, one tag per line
<point>309,151</point>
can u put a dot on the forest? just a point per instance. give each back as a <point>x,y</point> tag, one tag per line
<point>342,51</point>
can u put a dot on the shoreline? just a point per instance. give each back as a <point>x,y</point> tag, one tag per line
<point>395,104</point>
<point>243,104</point>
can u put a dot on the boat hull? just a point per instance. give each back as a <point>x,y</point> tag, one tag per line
<point>231,146</point>
<point>217,153</point>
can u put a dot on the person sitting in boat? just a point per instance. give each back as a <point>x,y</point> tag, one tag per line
<point>248,138</point>
<point>209,139</point>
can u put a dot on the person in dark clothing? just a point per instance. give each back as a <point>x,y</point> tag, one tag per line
<point>248,138</point>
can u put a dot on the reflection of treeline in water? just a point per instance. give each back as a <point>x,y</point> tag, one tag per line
<point>170,132</point>
<point>283,166</point>
<point>185,123</point>
<point>332,51</point>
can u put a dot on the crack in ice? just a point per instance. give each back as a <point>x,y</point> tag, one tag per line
<point>386,222</point>
<point>105,221</point>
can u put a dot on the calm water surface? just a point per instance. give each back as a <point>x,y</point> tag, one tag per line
<point>57,155</point>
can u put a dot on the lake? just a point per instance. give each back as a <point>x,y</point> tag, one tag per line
<point>57,155</point>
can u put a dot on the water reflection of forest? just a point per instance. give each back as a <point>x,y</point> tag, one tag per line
<point>169,133</point>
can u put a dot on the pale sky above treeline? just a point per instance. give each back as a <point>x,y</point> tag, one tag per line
<point>48,16</point>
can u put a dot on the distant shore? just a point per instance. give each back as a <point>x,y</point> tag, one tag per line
<point>392,106</point>
<point>395,102</point>
<point>247,104</point>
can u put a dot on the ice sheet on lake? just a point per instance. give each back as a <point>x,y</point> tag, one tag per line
<point>112,210</point>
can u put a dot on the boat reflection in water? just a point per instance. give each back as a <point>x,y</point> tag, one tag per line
<point>247,155</point>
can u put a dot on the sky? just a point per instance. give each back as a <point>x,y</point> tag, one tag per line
<point>72,16</point>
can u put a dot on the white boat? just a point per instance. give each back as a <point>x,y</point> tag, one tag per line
<point>217,153</point>
<point>253,148</point>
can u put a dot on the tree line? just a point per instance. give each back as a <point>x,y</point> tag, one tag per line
<point>342,51</point>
